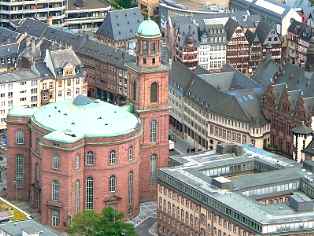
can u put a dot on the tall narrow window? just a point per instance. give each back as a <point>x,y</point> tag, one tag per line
<point>56,162</point>
<point>55,190</point>
<point>153,166</point>
<point>89,193</point>
<point>134,90</point>
<point>19,136</point>
<point>19,170</point>
<point>154,92</point>
<point>130,153</point>
<point>153,131</point>
<point>90,158</point>
<point>77,162</point>
<point>112,157</point>
<point>55,217</point>
<point>77,196</point>
<point>130,188</point>
<point>112,184</point>
<point>37,172</point>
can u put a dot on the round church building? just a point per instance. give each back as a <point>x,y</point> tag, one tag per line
<point>84,154</point>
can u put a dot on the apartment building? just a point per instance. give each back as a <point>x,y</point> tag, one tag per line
<point>207,109</point>
<point>59,76</point>
<point>298,38</point>
<point>72,14</point>
<point>212,194</point>
<point>85,15</point>
<point>52,11</point>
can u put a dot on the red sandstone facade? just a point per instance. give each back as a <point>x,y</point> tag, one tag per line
<point>135,177</point>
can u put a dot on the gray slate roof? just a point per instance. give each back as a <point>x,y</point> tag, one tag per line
<point>8,36</point>
<point>303,30</point>
<point>229,94</point>
<point>121,24</point>
<point>82,45</point>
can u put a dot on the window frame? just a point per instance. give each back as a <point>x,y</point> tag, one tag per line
<point>112,184</point>
<point>20,137</point>
<point>55,190</point>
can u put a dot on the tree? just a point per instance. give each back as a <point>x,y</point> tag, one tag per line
<point>122,4</point>
<point>108,223</point>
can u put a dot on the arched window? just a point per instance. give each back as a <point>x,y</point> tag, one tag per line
<point>89,192</point>
<point>112,157</point>
<point>153,166</point>
<point>153,131</point>
<point>77,196</point>
<point>130,188</point>
<point>112,184</point>
<point>19,136</point>
<point>130,153</point>
<point>154,92</point>
<point>90,158</point>
<point>55,190</point>
<point>56,162</point>
<point>77,162</point>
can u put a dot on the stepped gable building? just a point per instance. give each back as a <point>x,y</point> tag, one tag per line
<point>288,101</point>
<point>119,29</point>
<point>62,166</point>
<point>208,109</point>
<point>237,48</point>
<point>211,193</point>
<point>255,53</point>
<point>187,45</point>
<point>299,36</point>
<point>270,40</point>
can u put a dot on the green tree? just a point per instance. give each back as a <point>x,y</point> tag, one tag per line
<point>108,223</point>
<point>120,4</point>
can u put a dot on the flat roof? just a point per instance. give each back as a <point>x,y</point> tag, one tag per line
<point>191,177</point>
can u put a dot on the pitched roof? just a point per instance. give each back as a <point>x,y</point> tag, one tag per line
<point>121,24</point>
<point>230,27</point>
<point>229,94</point>
<point>303,30</point>
<point>263,30</point>
<point>8,36</point>
<point>80,44</point>
<point>62,57</point>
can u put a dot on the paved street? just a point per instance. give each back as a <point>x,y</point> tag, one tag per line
<point>144,228</point>
<point>181,146</point>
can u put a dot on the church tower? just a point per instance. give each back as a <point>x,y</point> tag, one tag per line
<point>148,91</point>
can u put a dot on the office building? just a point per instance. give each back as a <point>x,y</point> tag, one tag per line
<point>237,190</point>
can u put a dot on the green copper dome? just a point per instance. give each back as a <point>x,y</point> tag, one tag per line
<point>148,28</point>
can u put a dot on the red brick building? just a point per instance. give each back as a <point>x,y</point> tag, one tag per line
<point>86,154</point>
